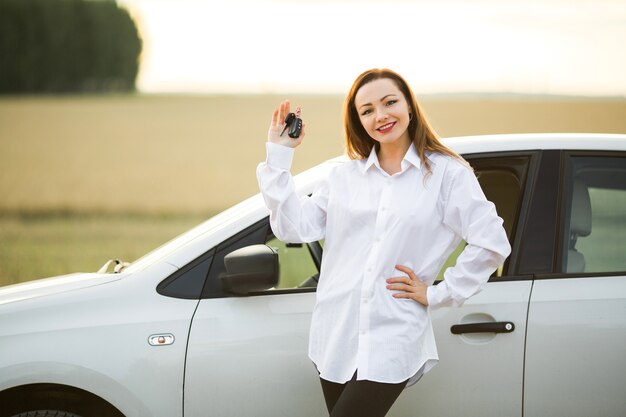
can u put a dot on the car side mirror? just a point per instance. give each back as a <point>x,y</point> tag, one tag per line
<point>249,269</point>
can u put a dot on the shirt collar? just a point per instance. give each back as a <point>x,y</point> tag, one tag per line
<point>372,160</point>
<point>411,157</point>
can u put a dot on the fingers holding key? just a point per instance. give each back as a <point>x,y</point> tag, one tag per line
<point>285,130</point>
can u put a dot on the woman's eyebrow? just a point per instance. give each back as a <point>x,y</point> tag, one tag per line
<point>382,99</point>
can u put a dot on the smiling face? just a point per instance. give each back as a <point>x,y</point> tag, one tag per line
<point>383,111</point>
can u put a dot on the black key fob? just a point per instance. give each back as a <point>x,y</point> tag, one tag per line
<point>295,127</point>
<point>290,117</point>
<point>288,120</point>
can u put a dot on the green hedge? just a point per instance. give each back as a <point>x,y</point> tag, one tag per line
<point>54,46</point>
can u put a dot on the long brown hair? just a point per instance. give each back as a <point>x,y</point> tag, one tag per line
<point>359,144</point>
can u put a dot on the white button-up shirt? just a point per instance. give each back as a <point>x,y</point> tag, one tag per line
<point>371,222</point>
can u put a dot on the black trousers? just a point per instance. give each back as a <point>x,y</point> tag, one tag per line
<point>360,398</point>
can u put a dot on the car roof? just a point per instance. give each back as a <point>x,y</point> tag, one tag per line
<point>530,141</point>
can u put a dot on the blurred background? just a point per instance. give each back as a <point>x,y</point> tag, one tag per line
<point>122,124</point>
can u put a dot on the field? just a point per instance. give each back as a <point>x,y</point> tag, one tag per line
<point>38,245</point>
<point>84,179</point>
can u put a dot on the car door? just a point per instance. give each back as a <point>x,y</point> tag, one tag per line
<point>575,360</point>
<point>247,355</point>
<point>481,344</point>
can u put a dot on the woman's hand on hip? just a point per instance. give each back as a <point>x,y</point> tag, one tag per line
<point>411,285</point>
<point>278,125</point>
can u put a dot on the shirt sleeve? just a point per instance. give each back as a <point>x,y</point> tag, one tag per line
<point>293,219</point>
<point>470,215</point>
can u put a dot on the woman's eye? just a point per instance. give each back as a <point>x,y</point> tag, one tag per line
<point>366,112</point>
<point>391,102</point>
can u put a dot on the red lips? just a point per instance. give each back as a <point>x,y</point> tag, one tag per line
<point>386,127</point>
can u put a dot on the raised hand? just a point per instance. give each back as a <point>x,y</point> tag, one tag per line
<point>277,126</point>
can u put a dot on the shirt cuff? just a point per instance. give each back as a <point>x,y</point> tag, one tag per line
<point>279,156</point>
<point>434,295</point>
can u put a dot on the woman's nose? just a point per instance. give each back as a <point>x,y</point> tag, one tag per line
<point>381,114</point>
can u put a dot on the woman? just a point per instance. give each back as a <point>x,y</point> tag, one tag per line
<point>390,217</point>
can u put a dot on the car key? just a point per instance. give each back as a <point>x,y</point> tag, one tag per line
<point>295,127</point>
<point>288,121</point>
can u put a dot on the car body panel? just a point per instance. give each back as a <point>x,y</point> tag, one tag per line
<point>481,372</point>
<point>575,352</point>
<point>254,345</point>
<point>48,286</point>
<point>96,338</point>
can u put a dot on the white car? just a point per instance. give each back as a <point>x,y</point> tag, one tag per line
<point>215,322</point>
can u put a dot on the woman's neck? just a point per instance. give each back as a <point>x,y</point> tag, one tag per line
<point>390,155</point>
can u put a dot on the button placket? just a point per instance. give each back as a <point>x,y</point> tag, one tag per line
<point>386,192</point>
<point>363,336</point>
<point>367,286</point>
<point>376,247</point>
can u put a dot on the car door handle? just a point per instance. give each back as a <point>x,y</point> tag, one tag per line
<point>489,327</point>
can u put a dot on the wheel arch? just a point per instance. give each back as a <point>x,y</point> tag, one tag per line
<point>43,382</point>
<point>38,396</point>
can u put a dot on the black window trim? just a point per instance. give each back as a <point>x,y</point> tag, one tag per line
<point>281,291</point>
<point>568,275</point>
<point>545,182</point>
<point>161,287</point>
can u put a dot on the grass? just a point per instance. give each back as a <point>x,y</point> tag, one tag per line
<point>37,245</point>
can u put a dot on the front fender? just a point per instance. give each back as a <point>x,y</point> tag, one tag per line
<point>98,384</point>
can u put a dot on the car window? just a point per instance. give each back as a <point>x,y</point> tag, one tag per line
<point>297,265</point>
<point>502,179</point>
<point>297,268</point>
<point>594,236</point>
